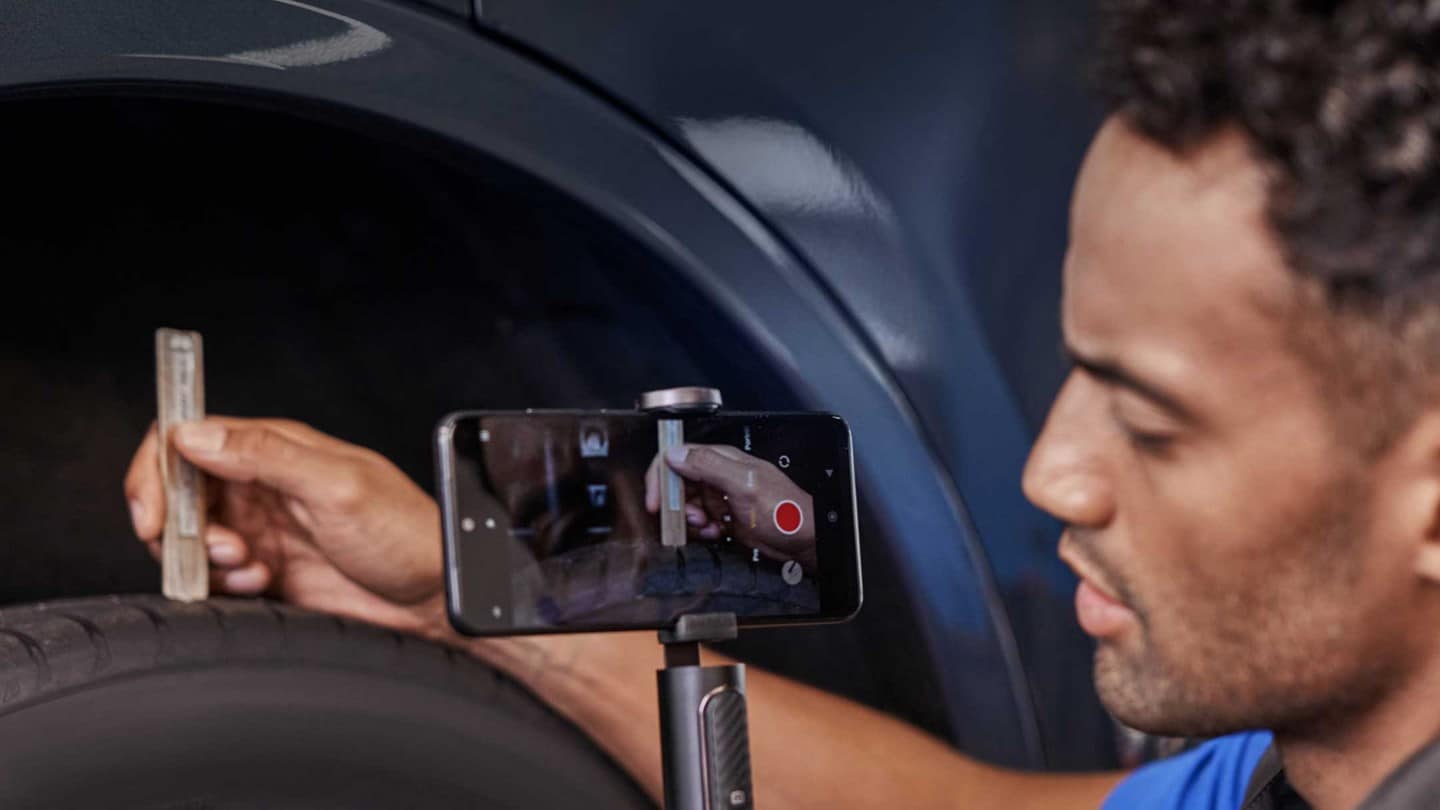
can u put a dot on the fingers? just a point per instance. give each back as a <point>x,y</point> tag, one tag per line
<point>266,453</point>
<point>675,459</point>
<point>299,432</point>
<point>144,490</point>
<point>652,486</point>
<point>225,547</point>
<point>709,465</point>
<point>702,518</point>
<point>730,452</point>
<point>716,505</point>
<point>232,571</point>
<point>258,450</point>
<point>250,579</point>
<point>695,515</point>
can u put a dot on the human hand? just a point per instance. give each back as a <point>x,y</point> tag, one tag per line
<point>309,518</point>
<point>724,481</point>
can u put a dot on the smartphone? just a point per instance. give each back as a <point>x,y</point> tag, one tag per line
<point>556,521</point>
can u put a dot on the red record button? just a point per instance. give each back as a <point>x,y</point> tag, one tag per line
<point>788,517</point>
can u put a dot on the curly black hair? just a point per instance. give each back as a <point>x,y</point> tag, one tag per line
<point>1341,102</point>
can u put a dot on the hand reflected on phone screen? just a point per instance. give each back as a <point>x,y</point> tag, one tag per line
<point>730,493</point>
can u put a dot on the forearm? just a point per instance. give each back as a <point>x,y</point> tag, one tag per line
<point>809,748</point>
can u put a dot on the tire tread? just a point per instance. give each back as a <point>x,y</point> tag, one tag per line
<point>51,647</point>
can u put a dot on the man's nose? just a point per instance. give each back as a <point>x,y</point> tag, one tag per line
<point>1065,474</point>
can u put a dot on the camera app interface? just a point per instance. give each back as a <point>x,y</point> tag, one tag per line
<point>630,519</point>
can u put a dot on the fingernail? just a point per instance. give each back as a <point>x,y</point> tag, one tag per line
<point>202,437</point>
<point>137,513</point>
<point>677,454</point>
<point>246,579</point>
<point>694,519</point>
<point>226,553</point>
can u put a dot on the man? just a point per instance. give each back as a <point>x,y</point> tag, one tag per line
<point>1246,456</point>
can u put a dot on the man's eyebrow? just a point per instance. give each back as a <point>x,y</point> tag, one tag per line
<point>1113,373</point>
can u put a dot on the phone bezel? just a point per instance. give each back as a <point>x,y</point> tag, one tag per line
<point>842,586</point>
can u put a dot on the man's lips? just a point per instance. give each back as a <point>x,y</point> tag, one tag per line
<point>1100,612</point>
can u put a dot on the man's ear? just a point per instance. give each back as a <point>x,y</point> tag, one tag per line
<point>1418,454</point>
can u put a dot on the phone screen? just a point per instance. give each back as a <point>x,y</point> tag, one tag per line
<point>566,521</point>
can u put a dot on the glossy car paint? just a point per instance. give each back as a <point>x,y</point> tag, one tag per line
<point>919,155</point>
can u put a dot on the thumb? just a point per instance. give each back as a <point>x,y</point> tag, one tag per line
<point>256,453</point>
<point>708,466</point>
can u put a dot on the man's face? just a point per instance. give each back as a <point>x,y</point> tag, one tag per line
<point>1223,527</point>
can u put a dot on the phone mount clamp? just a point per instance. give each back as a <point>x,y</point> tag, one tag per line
<point>704,734</point>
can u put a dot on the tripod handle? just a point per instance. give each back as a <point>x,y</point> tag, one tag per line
<point>705,740</point>
<point>726,749</point>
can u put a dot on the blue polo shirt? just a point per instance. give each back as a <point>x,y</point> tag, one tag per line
<point>1211,776</point>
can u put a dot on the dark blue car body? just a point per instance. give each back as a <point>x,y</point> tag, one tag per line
<point>856,207</point>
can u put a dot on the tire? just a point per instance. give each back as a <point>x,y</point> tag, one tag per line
<point>137,702</point>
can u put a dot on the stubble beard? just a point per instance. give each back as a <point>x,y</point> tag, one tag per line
<point>1282,650</point>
